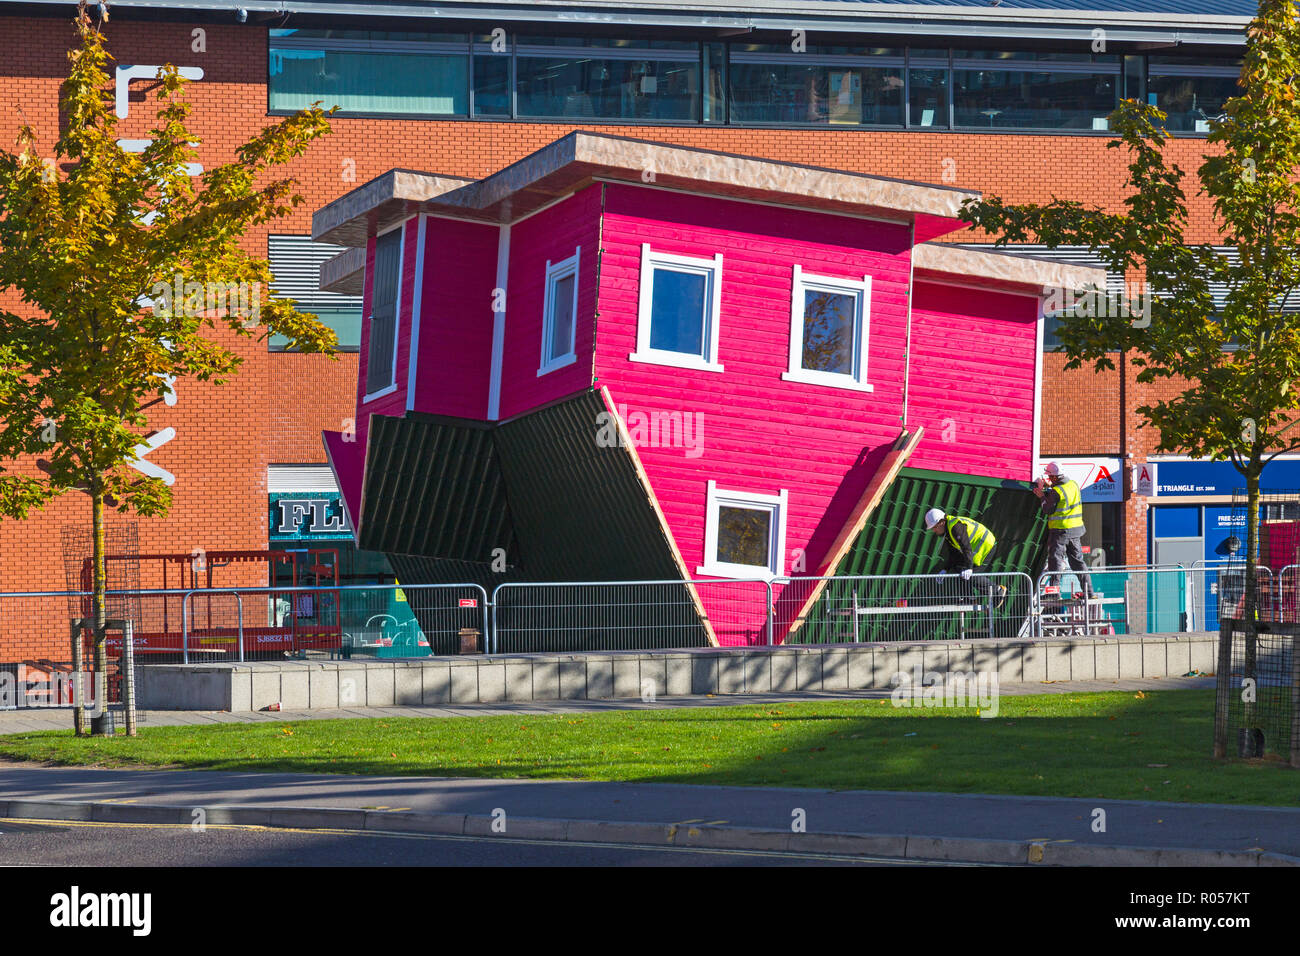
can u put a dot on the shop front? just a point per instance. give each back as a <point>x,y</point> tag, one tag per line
<point>1101,487</point>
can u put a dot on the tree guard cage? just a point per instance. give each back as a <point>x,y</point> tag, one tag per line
<point>1257,692</point>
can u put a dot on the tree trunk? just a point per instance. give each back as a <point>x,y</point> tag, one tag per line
<point>99,599</point>
<point>1250,625</point>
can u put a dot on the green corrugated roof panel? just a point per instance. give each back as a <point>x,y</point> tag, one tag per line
<point>433,487</point>
<point>579,508</point>
<point>895,542</point>
<point>440,494</point>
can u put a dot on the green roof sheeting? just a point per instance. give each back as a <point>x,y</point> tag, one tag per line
<point>441,494</point>
<point>581,511</point>
<point>433,487</point>
<point>895,542</point>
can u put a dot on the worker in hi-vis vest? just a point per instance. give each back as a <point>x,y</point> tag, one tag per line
<point>970,545</point>
<point>1063,505</point>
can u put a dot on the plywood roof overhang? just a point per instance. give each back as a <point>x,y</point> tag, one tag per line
<point>380,203</point>
<point>1001,269</point>
<point>344,273</point>
<point>579,158</point>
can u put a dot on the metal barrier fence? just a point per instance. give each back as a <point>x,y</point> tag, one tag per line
<point>1221,591</point>
<point>630,615</point>
<point>39,666</point>
<point>241,624</point>
<point>365,620</point>
<point>191,626</point>
<point>1146,600</point>
<point>905,608</point>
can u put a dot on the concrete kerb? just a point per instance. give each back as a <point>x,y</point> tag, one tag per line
<point>892,846</point>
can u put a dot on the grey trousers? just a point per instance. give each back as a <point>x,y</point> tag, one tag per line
<point>1064,553</point>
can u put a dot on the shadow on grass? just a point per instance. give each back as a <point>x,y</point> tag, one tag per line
<point>1114,745</point>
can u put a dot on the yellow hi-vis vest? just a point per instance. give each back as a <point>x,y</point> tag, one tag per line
<point>1069,507</point>
<point>981,538</point>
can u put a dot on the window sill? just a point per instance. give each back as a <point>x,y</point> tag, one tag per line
<point>740,572</point>
<point>557,364</point>
<point>827,380</point>
<point>676,360</point>
<point>379,394</point>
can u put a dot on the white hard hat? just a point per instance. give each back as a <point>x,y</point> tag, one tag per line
<point>933,517</point>
<point>1052,468</point>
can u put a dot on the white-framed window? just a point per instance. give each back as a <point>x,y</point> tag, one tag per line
<point>678,313</point>
<point>828,331</point>
<point>385,310</point>
<point>560,314</point>
<point>744,534</point>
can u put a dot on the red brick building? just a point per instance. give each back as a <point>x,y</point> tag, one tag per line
<point>1008,100</point>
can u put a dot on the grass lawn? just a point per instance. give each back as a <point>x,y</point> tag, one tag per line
<point>1117,745</point>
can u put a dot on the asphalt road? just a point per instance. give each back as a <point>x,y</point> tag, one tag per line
<point>29,843</point>
<point>1129,822</point>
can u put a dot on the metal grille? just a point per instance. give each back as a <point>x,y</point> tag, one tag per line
<point>295,264</point>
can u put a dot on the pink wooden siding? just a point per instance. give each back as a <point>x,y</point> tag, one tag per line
<point>757,433</point>
<point>455,358</point>
<point>394,403</point>
<point>973,358</point>
<point>552,234</point>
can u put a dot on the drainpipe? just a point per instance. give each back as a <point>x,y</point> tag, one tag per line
<point>907,354</point>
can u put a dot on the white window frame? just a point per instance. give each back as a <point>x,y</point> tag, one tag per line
<point>554,273</point>
<point>778,505</point>
<point>711,269</point>
<point>397,320</point>
<point>861,290</point>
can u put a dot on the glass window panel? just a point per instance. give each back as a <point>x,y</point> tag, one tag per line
<point>1159,61</point>
<point>399,83</point>
<point>491,85</point>
<point>1012,99</point>
<point>829,331</point>
<point>931,54</point>
<point>383,311</point>
<point>1190,102</point>
<point>677,312</point>
<point>562,322</point>
<point>346,323</point>
<point>368,35</point>
<point>715,82</point>
<point>621,43</point>
<point>928,98</point>
<point>816,49</point>
<point>744,536</point>
<point>578,87</point>
<point>786,93</point>
<point>1041,55</point>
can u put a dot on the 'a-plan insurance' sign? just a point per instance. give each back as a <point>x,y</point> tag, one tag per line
<point>1099,479</point>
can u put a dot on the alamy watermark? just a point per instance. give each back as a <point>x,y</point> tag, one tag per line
<point>652,429</point>
<point>1134,303</point>
<point>36,687</point>
<point>197,299</point>
<point>977,690</point>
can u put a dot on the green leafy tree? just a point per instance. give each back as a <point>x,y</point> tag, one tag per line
<point>1238,364</point>
<point>87,239</point>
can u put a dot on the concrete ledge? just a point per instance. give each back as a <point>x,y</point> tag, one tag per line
<point>607,675</point>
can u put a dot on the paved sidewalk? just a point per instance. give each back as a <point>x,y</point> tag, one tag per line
<point>60,718</point>
<point>918,825</point>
